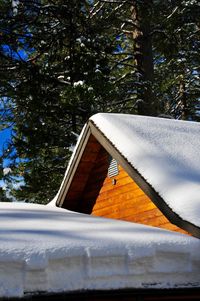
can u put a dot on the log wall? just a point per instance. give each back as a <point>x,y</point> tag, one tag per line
<point>122,199</point>
<point>93,192</point>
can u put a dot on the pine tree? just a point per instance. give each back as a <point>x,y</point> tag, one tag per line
<point>60,80</point>
<point>177,58</point>
<point>62,61</point>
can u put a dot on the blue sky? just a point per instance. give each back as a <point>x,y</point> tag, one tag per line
<point>4,136</point>
<point>20,54</point>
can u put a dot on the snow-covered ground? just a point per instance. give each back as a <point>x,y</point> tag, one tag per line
<point>48,249</point>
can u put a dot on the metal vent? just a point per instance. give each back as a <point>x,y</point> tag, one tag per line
<point>113,168</point>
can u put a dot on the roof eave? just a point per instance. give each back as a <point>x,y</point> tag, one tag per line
<point>73,166</point>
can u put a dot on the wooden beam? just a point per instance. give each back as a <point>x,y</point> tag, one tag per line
<point>73,167</point>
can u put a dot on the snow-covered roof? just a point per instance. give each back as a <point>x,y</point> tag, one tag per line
<point>48,249</point>
<point>161,155</point>
<point>165,152</point>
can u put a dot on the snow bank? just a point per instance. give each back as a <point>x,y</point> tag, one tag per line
<point>54,250</point>
<point>165,152</point>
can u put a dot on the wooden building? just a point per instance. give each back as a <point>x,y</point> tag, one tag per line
<point>103,180</point>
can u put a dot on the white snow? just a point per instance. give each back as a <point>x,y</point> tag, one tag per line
<point>165,152</point>
<point>46,249</point>
<point>6,171</point>
<point>79,83</point>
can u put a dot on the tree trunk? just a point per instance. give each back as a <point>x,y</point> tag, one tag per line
<point>141,16</point>
<point>183,99</point>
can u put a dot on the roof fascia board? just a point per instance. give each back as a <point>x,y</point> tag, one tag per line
<point>73,166</point>
<point>145,186</point>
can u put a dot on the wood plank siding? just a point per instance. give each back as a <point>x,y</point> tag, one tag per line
<point>82,174</point>
<point>118,197</point>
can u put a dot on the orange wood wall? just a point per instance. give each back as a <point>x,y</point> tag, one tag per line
<point>93,192</point>
<point>84,171</point>
<point>124,200</point>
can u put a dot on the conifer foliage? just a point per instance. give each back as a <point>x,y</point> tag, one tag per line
<point>62,61</point>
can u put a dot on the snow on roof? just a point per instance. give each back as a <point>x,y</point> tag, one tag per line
<point>54,250</point>
<point>165,152</point>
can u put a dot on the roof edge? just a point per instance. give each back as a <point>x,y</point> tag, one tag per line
<point>73,164</point>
